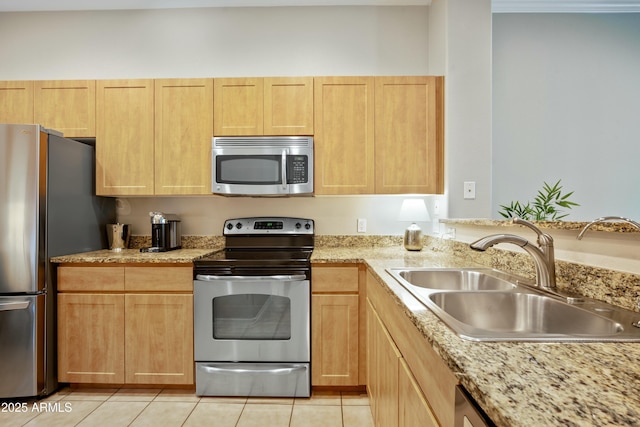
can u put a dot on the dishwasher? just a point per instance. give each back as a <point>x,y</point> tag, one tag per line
<point>467,412</point>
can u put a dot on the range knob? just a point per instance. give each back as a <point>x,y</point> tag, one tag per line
<point>307,226</point>
<point>229,226</point>
<point>239,226</point>
<point>298,225</point>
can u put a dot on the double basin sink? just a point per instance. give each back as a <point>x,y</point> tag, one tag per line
<point>483,304</point>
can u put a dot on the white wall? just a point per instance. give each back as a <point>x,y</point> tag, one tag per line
<point>214,42</point>
<point>566,105</point>
<point>467,66</point>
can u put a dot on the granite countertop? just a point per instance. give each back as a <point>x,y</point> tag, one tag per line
<point>517,384</point>
<point>105,256</point>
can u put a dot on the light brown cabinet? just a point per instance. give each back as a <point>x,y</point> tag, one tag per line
<point>409,384</point>
<point>344,135</point>
<point>154,137</point>
<point>16,101</point>
<point>409,135</point>
<point>381,135</point>
<point>413,409</point>
<point>383,371</point>
<point>91,338</point>
<point>183,132</point>
<point>263,106</point>
<point>68,106</point>
<point>125,324</point>
<point>337,327</point>
<point>124,137</point>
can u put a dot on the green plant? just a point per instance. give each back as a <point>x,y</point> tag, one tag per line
<point>545,206</point>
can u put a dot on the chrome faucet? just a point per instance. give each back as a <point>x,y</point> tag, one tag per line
<point>605,219</point>
<point>543,255</point>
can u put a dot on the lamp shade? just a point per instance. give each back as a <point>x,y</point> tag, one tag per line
<point>413,210</point>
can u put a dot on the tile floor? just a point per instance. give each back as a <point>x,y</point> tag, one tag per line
<point>169,407</point>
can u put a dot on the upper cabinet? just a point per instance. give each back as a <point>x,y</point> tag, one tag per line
<point>263,106</point>
<point>409,135</point>
<point>124,139</point>
<point>379,135</point>
<point>154,137</point>
<point>16,101</point>
<point>68,106</point>
<point>184,127</point>
<point>344,135</point>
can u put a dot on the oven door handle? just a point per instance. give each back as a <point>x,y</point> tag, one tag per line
<point>254,369</point>
<point>279,277</point>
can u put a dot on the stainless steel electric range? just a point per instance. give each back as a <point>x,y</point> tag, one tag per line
<point>252,306</point>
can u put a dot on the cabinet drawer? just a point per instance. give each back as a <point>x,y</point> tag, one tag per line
<point>334,279</point>
<point>90,278</point>
<point>151,279</point>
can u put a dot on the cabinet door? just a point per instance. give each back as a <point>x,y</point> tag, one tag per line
<point>16,101</point>
<point>184,128</point>
<point>238,106</point>
<point>344,135</point>
<point>414,411</point>
<point>288,106</point>
<point>334,339</point>
<point>159,337</point>
<point>384,362</point>
<point>124,137</point>
<point>409,135</point>
<point>68,106</point>
<point>91,338</point>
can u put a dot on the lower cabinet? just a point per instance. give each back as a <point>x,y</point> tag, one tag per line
<point>337,328</point>
<point>408,384</point>
<point>118,331</point>
<point>384,363</point>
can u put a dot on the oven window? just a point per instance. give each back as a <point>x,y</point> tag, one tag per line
<point>252,317</point>
<point>258,169</point>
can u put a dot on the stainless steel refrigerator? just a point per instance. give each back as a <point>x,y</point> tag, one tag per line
<point>48,208</point>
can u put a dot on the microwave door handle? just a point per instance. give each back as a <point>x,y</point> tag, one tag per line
<point>284,169</point>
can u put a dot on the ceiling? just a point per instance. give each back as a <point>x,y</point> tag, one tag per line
<point>498,6</point>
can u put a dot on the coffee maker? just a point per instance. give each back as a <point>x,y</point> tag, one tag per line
<point>165,232</point>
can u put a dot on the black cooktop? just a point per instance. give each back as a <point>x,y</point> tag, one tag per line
<point>252,247</point>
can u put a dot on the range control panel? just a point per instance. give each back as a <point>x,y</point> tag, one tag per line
<point>268,225</point>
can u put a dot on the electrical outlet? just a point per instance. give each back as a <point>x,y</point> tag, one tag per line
<point>362,225</point>
<point>470,190</point>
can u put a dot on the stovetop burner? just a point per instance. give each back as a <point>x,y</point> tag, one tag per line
<point>261,243</point>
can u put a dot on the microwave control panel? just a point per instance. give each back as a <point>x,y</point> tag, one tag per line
<point>297,169</point>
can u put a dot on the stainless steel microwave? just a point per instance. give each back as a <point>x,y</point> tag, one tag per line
<point>262,165</point>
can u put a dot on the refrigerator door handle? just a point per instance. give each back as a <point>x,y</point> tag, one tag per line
<point>20,305</point>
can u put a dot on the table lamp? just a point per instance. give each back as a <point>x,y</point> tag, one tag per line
<point>413,210</point>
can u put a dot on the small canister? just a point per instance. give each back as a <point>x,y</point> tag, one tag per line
<point>118,236</point>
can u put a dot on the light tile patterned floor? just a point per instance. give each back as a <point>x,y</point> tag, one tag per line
<point>169,407</point>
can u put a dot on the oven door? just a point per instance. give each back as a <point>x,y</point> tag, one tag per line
<point>252,318</point>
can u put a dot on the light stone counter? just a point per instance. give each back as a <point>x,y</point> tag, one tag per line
<point>516,384</point>
<point>178,256</point>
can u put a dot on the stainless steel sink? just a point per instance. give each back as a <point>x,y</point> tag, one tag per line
<point>517,315</point>
<point>488,305</point>
<point>453,279</point>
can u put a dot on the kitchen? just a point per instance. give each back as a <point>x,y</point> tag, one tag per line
<point>390,27</point>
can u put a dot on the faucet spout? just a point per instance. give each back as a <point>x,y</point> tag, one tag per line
<point>606,219</point>
<point>542,257</point>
